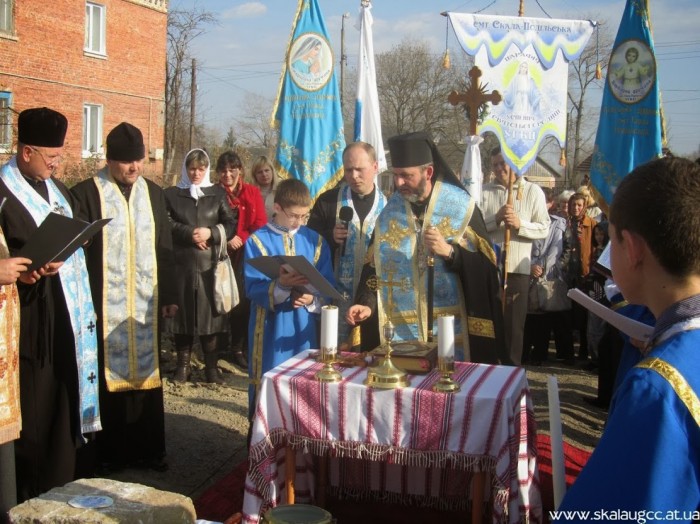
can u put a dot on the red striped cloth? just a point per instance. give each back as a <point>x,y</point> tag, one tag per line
<point>408,445</point>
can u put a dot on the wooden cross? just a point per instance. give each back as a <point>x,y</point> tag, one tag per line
<point>474,97</point>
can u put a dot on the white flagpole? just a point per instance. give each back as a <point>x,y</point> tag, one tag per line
<point>368,127</point>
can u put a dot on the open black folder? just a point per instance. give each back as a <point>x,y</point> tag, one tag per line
<point>318,285</point>
<point>57,238</point>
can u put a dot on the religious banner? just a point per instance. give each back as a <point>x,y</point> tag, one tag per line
<point>368,123</point>
<point>307,110</point>
<point>629,130</point>
<point>526,60</point>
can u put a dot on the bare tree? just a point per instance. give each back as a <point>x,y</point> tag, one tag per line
<point>582,121</point>
<point>183,27</point>
<point>413,88</point>
<point>253,128</point>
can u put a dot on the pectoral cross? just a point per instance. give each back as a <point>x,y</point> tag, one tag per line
<point>474,97</point>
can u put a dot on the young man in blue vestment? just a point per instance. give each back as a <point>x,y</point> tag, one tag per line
<point>283,318</point>
<point>647,464</point>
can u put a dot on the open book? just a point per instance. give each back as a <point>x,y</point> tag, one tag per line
<point>318,285</point>
<point>57,238</point>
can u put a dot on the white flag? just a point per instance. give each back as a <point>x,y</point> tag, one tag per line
<point>471,175</point>
<point>368,125</point>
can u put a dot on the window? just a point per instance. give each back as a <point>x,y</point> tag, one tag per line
<point>5,122</point>
<point>95,15</point>
<point>7,19</point>
<point>92,130</point>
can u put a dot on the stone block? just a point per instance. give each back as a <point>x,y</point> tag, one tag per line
<point>133,504</point>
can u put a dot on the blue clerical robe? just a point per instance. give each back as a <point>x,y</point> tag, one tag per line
<point>648,459</point>
<point>278,331</point>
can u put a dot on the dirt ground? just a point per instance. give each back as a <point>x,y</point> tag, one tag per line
<point>206,425</point>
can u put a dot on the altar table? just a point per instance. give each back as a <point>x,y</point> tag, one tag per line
<point>406,444</point>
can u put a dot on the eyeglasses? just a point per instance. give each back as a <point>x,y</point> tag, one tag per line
<point>50,162</point>
<point>295,216</point>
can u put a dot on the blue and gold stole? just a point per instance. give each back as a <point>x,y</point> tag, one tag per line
<point>76,289</point>
<point>129,286</point>
<point>349,266</point>
<point>399,256</point>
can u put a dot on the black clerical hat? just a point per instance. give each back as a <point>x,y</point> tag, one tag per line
<point>418,149</point>
<point>42,127</point>
<point>125,143</point>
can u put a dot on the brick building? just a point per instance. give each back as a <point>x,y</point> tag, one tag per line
<point>99,62</point>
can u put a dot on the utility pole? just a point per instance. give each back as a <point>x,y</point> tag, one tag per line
<point>193,99</point>
<point>343,59</point>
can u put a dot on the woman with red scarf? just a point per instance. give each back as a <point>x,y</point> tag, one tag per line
<point>246,202</point>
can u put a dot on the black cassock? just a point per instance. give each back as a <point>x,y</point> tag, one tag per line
<point>46,453</point>
<point>133,430</point>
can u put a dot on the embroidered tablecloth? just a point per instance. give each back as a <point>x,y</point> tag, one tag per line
<point>400,444</point>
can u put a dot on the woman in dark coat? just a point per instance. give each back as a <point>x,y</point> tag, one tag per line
<point>196,207</point>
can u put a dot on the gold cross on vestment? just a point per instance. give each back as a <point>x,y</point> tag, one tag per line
<point>394,235</point>
<point>474,97</point>
<point>374,283</point>
<point>445,228</point>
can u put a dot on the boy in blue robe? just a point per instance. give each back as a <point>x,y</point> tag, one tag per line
<point>283,319</point>
<point>647,463</point>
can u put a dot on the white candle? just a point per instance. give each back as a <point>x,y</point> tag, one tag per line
<point>446,337</point>
<point>329,329</point>
<point>557,443</point>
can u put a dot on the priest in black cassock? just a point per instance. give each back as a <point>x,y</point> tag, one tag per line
<point>430,212</point>
<point>57,341</point>
<point>130,263</point>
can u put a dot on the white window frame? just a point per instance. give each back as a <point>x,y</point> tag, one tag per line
<point>95,43</point>
<point>7,17</point>
<point>92,131</point>
<point>5,122</point>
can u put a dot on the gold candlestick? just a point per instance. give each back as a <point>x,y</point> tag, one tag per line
<point>328,373</point>
<point>386,375</point>
<point>446,384</point>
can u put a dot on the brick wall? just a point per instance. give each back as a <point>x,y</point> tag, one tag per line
<point>43,63</point>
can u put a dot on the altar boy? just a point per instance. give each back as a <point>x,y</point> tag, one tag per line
<point>648,459</point>
<point>283,318</point>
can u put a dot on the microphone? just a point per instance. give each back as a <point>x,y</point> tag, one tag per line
<point>345,216</point>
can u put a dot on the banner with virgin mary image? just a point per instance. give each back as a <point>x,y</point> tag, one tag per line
<point>526,60</point>
<point>307,111</point>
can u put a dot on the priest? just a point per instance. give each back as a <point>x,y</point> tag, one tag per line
<point>430,214</point>
<point>130,263</point>
<point>57,340</point>
<point>345,217</point>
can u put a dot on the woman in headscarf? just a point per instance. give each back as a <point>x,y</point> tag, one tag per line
<point>196,207</point>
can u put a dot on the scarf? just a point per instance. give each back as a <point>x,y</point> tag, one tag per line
<point>186,183</point>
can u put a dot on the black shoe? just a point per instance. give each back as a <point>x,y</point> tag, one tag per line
<point>158,465</point>
<point>240,361</point>
<point>595,401</point>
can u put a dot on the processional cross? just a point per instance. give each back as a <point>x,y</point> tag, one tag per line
<point>474,97</point>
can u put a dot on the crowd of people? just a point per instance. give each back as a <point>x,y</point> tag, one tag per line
<point>83,393</point>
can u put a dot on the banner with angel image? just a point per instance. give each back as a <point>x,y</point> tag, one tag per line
<point>526,60</point>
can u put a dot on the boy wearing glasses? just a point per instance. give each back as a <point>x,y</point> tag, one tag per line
<point>283,317</point>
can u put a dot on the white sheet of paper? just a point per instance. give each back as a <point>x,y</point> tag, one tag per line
<point>628,326</point>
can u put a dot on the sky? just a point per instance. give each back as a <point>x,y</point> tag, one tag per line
<point>244,51</point>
